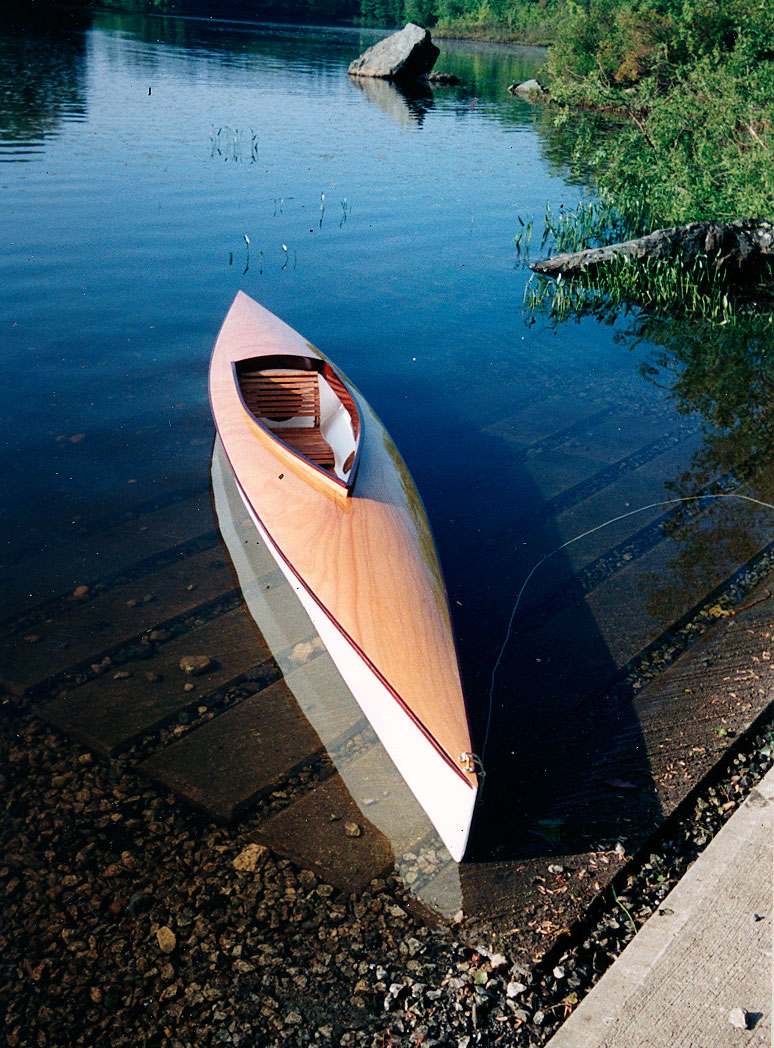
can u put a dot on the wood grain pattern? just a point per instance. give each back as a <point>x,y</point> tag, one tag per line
<point>370,559</point>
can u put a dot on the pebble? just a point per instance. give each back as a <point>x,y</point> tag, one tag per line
<point>166,939</point>
<point>351,829</point>
<point>739,1018</point>
<point>250,858</point>
<point>194,665</point>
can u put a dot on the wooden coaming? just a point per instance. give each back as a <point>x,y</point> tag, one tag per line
<point>369,560</point>
<point>277,390</point>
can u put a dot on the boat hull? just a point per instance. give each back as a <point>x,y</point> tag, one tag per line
<point>364,567</point>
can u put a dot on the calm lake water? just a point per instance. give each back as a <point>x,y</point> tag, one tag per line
<point>151,167</point>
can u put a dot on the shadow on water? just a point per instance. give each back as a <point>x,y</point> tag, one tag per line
<point>547,722</point>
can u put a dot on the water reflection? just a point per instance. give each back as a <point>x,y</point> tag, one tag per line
<point>724,376</point>
<point>405,105</point>
<point>373,783</point>
<point>42,78</point>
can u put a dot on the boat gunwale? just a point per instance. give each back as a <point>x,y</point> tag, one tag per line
<point>400,701</point>
<point>322,366</point>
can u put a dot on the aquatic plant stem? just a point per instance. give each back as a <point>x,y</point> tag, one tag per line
<point>621,905</point>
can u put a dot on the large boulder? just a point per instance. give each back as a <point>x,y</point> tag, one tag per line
<point>405,55</point>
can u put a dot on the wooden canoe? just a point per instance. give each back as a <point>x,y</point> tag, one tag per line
<point>337,508</point>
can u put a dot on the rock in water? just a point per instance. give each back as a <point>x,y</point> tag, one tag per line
<point>530,89</point>
<point>194,665</point>
<point>405,55</point>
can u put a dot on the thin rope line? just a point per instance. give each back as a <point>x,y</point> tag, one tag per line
<point>577,538</point>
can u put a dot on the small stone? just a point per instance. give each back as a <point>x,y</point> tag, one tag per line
<point>194,665</point>
<point>189,686</point>
<point>739,1018</point>
<point>121,675</point>
<point>514,988</point>
<point>138,903</point>
<point>497,960</point>
<point>559,972</point>
<point>250,858</point>
<point>351,829</point>
<point>556,868</point>
<point>80,591</point>
<point>117,906</point>
<point>166,939</point>
<point>113,870</point>
<point>302,652</point>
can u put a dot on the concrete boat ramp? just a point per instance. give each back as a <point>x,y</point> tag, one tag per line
<point>699,973</point>
<point>148,657</point>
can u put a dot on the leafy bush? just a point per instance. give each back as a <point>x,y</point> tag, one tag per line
<point>622,42</point>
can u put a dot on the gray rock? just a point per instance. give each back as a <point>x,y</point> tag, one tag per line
<point>529,88</point>
<point>439,77</point>
<point>514,988</point>
<point>405,55</point>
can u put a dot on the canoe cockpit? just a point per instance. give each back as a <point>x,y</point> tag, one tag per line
<point>306,406</point>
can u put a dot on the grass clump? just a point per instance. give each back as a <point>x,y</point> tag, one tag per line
<point>690,85</point>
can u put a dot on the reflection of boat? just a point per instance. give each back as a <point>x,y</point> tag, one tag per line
<point>339,512</point>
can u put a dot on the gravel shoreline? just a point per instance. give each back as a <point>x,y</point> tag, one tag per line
<point>129,919</point>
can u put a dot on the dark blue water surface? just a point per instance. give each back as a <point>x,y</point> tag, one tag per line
<point>151,167</point>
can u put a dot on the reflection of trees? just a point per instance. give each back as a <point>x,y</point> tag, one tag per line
<point>570,141</point>
<point>725,375</point>
<point>42,71</point>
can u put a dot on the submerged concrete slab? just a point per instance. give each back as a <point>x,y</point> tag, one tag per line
<point>113,710</point>
<point>227,763</point>
<point>326,832</point>
<point>705,953</point>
